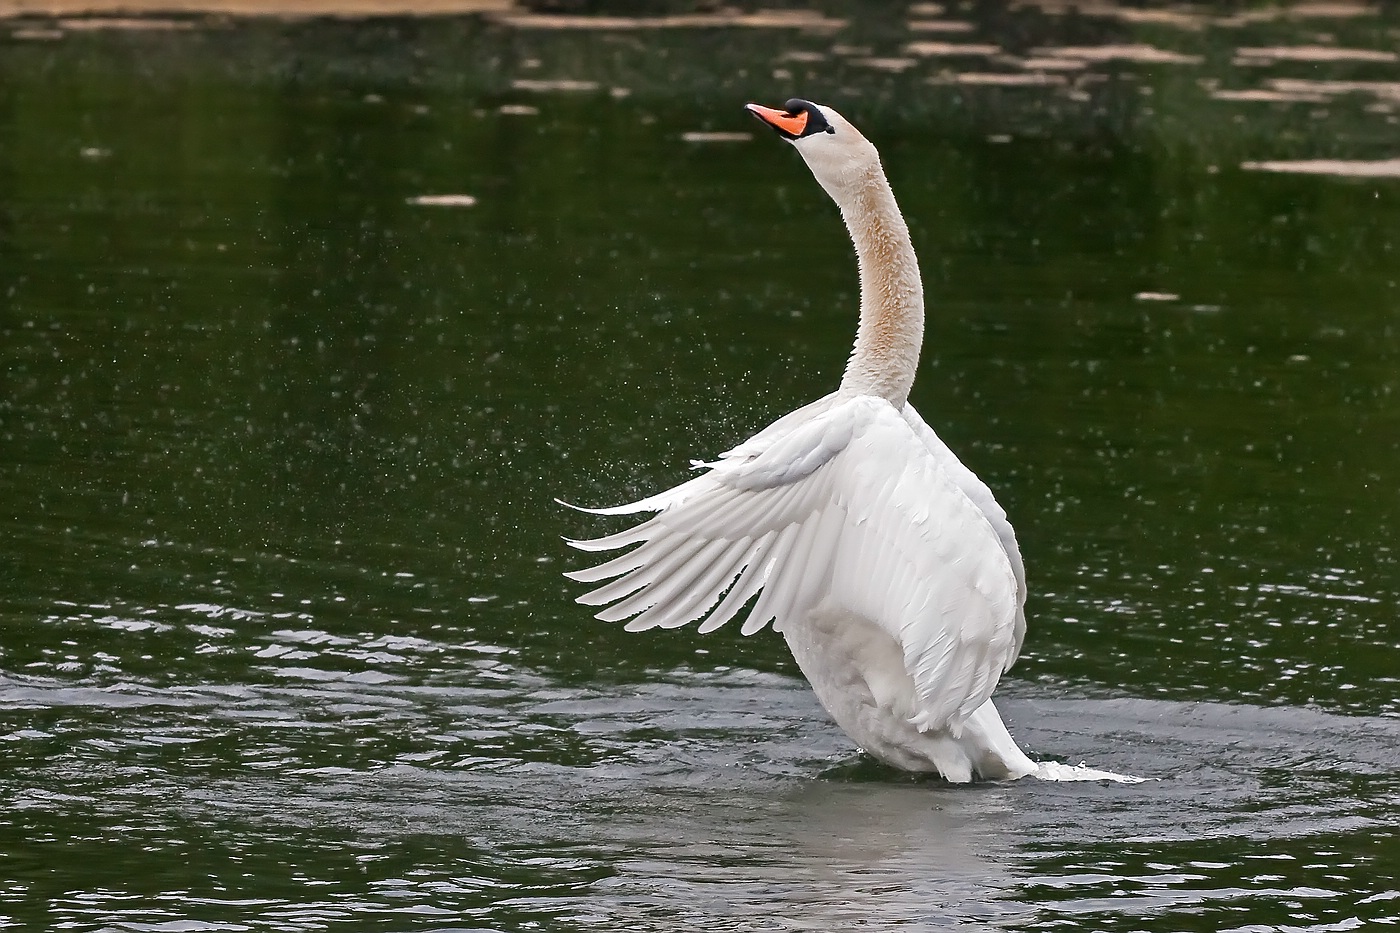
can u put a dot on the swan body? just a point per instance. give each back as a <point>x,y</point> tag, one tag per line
<point>885,563</point>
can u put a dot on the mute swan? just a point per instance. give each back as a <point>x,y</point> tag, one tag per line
<point>886,564</point>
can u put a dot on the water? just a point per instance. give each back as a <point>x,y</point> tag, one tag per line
<point>286,641</point>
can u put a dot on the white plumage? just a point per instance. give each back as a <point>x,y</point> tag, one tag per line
<point>885,562</point>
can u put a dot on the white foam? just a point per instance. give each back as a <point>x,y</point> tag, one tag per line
<point>1054,771</point>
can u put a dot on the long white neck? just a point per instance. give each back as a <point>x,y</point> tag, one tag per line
<point>886,352</point>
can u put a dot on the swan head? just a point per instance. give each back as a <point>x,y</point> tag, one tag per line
<point>838,155</point>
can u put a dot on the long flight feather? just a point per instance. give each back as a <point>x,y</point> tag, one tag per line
<point>667,590</point>
<point>743,589</point>
<point>623,538</point>
<point>707,591</point>
<point>645,598</point>
<point>650,551</point>
<point>634,580</point>
<point>775,564</point>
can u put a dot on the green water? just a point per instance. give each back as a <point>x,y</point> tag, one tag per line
<point>285,641</point>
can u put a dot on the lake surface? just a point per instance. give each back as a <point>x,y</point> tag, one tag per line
<point>285,643</point>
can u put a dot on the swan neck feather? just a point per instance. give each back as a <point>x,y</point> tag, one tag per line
<point>886,352</point>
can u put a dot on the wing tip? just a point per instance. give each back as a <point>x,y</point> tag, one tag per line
<point>610,510</point>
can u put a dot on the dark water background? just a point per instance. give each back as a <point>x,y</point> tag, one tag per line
<point>283,639</point>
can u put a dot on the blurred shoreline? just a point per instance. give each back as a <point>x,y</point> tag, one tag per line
<point>10,9</point>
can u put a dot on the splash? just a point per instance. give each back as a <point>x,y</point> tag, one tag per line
<point>1055,771</point>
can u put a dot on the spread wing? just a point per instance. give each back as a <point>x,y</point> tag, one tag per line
<point>841,505</point>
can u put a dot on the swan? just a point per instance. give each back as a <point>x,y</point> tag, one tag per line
<point>885,563</point>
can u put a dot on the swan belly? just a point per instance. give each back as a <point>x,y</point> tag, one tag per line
<point>857,671</point>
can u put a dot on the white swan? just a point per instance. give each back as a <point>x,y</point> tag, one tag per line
<point>886,564</point>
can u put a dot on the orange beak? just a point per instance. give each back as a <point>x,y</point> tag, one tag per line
<point>786,123</point>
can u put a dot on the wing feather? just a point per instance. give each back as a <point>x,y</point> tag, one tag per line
<point>669,593</point>
<point>743,589</point>
<point>640,568</point>
<point>612,542</point>
<point>761,612</point>
<point>982,497</point>
<point>811,558</point>
<point>660,556</point>
<point>705,592</point>
<point>615,567</point>
<point>648,596</point>
<point>722,512</point>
